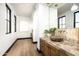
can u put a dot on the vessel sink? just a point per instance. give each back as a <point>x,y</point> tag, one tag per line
<point>56,38</point>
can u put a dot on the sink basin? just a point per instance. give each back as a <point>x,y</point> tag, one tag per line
<point>56,38</point>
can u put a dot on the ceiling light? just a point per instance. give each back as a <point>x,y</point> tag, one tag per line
<point>74,7</point>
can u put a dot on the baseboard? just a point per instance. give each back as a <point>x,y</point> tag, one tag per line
<point>34,42</point>
<point>9,48</point>
<point>25,38</point>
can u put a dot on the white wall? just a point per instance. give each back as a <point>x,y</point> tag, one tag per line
<point>6,40</point>
<point>40,21</point>
<point>24,34</point>
<point>43,21</point>
<point>35,26</point>
<point>43,18</point>
<point>53,18</point>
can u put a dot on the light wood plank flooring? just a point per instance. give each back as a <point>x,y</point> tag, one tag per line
<point>24,47</point>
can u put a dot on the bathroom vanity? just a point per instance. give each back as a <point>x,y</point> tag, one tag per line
<point>51,48</point>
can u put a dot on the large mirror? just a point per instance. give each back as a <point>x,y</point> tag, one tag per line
<point>68,15</point>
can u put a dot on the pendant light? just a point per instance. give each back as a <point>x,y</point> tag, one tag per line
<point>74,7</point>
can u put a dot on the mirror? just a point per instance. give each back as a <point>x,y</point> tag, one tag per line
<point>68,18</point>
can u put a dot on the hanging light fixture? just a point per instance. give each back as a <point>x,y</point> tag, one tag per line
<point>74,7</point>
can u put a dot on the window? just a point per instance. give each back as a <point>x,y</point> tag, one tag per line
<point>8,19</point>
<point>14,23</point>
<point>61,22</point>
<point>76,19</point>
<point>23,26</point>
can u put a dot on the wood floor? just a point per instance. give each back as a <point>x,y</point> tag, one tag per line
<point>24,47</point>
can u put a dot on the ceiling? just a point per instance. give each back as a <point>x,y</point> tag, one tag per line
<point>55,5</point>
<point>61,7</point>
<point>23,9</point>
<point>65,8</point>
<point>27,9</point>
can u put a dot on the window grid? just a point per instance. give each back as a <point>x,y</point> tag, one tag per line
<point>61,22</point>
<point>8,19</point>
<point>76,19</point>
<point>14,23</point>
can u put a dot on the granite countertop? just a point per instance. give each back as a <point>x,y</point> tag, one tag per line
<point>70,49</point>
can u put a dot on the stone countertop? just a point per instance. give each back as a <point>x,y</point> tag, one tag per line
<point>70,50</point>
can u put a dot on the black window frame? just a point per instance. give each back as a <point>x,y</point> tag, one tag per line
<point>75,19</point>
<point>15,28</point>
<point>59,21</point>
<point>8,8</point>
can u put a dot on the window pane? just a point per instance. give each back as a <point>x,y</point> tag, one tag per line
<point>63,21</point>
<point>8,19</point>
<point>8,26</point>
<point>8,16</point>
<point>63,26</point>
<point>77,25</point>
<point>6,13</point>
<point>77,17</point>
<point>60,26</point>
<point>60,20</point>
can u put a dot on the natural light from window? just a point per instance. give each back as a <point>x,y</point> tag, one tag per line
<point>77,20</point>
<point>23,26</point>
<point>62,22</point>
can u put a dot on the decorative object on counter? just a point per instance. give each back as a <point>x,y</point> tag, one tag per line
<point>50,32</point>
<point>56,38</point>
<point>46,32</point>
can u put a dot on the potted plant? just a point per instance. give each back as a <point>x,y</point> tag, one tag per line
<point>52,31</point>
<point>46,32</point>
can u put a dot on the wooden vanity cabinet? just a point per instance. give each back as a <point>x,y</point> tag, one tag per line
<point>54,51</point>
<point>42,46</point>
<point>57,52</point>
<point>45,49</point>
<point>49,50</point>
